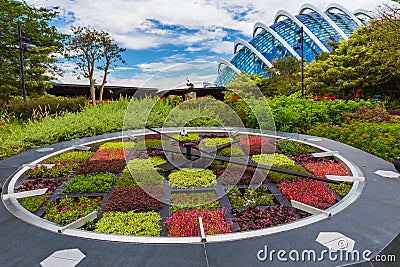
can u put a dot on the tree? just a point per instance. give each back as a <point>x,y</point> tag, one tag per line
<point>40,61</point>
<point>90,50</point>
<point>283,78</point>
<point>368,61</point>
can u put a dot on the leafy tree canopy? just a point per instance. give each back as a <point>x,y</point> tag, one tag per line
<point>93,50</point>
<point>369,60</point>
<point>39,61</point>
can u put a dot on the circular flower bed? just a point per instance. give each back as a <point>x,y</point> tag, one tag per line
<point>138,189</point>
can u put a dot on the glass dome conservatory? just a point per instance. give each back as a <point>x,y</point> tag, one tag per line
<point>278,40</point>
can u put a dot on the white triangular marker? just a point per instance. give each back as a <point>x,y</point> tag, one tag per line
<point>64,258</point>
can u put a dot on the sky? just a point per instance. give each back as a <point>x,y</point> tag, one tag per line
<point>168,42</point>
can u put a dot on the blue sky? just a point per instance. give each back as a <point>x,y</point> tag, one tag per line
<point>167,41</point>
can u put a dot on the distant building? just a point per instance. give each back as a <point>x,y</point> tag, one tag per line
<point>335,24</point>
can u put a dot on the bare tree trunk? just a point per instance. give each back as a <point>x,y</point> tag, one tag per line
<point>92,92</point>
<point>103,84</point>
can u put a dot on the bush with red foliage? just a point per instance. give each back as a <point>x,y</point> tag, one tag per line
<point>135,198</point>
<point>310,192</point>
<point>257,145</point>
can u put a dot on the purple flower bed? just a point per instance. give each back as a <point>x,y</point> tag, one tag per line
<point>104,166</point>
<point>135,198</point>
<point>253,218</point>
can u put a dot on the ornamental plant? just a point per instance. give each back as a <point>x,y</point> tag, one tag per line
<point>253,218</point>
<point>90,183</point>
<point>215,142</point>
<point>72,157</point>
<point>110,154</point>
<point>32,204</point>
<point>240,175</point>
<point>293,147</point>
<point>322,168</point>
<point>50,184</point>
<point>278,177</point>
<point>147,144</point>
<point>257,145</point>
<point>60,169</point>
<point>144,173</point>
<point>157,160</point>
<point>139,199</point>
<point>250,197</point>
<point>192,178</point>
<point>198,201</point>
<point>66,210</point>
<point>126,180</point>
<point>185,223</point>
<point>117,145</point>
<point>130,223</point>
<point>187,138</point>
<point>275,160</point>
<point>231,151</point>
<point>367,114</point>
<point>104,166</point>
<point>374,138</point>
<point>310,192</point>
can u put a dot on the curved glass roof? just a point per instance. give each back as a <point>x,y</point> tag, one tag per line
<point>320,28</point>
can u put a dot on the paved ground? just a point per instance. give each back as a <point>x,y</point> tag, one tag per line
<point>373,221</point>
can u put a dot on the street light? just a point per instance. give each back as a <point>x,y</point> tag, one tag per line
<point>301,47</point>
<point>23,48</point>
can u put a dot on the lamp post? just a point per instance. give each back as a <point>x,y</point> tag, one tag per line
<point>22,48</point>
<point>301,47</point>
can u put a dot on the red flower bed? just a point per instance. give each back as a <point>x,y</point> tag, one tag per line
<point>254,218</point>
<point>310,192</point>
<point>186,222</point>
<point>93,166</point>
<point>257,145</point>
<point>135,198</point>
<point>323,168</point>
<point>109,154</point>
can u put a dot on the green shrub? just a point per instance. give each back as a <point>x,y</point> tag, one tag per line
<point>189,137</point>
<point>45,106</point>
<point>198,201</point>
<point>117,145</point>
<point>251,197</point>
<point>144,173</point>
<point>130,223</point>
<point>126,180</point>
<point>66,210</point>
<point>278,161</point>
<point>73,156</point>
<point>147,144</point>
<point>298,114</point>
<point>192,178</point>
<point>231,151</point>
<point>292,147</point>
<point>81,183</point>
<point>214,142</point>
<point>278,177</point>
<point>379,139</point>
<point>32,204</point>
<point>275,159</point>
<point>342,189</point>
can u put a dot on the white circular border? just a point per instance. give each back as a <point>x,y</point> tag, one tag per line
<point>20,212</point>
